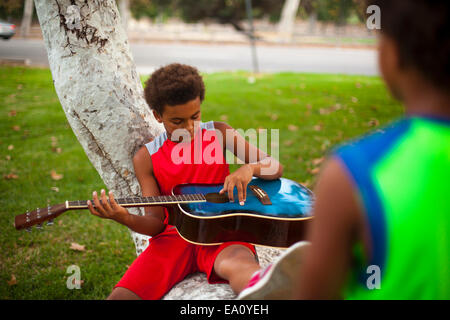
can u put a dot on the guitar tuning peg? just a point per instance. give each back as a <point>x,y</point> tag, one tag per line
<point>50,222</point>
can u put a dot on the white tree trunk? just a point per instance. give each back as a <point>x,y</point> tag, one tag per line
<point>287,20</point>
<point>26,19</point>
<point>96,82</point>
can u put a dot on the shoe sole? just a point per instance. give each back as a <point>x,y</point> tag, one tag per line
<point>282,277</point>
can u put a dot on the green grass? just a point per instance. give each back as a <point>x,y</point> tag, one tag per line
<point>312,112</point>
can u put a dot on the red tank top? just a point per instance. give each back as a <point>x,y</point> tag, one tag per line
<point>199,161</point>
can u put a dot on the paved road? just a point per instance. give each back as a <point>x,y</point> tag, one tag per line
<point>215,57</point>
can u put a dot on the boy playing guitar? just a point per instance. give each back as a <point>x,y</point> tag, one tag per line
<point>175,93</point>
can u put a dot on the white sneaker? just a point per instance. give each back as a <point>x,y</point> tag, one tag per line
<point>276,281</point>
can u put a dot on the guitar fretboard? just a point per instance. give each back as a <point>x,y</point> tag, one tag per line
<point>143,201</point>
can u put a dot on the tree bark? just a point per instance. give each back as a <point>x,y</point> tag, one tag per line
<point>102,96</point>
<point>26,19</point>
<point>287,20</point>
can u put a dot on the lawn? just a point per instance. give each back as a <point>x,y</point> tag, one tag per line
<point>41,161</point>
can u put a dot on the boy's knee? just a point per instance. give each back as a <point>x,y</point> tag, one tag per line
<point>234,256</point>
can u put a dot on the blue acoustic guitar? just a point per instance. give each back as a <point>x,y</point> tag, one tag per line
<point>276,212</point>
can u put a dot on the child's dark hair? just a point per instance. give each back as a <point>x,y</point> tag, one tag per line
<point>421,29</point>
<point>172,85</point>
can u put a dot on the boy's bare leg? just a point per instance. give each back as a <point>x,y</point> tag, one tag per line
<point>121,293</point>
<point>236,264</point>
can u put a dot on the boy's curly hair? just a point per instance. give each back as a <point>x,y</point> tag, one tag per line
<point>172,85</point>
<point>421,29</point>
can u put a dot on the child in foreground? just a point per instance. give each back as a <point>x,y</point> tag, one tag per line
<point>175,93</point>
<point>382,211</point>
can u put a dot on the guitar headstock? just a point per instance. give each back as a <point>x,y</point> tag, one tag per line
<point>38,216</point>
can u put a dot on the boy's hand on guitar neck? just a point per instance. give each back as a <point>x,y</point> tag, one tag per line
<point>239,179</point>
<point>107,210</point>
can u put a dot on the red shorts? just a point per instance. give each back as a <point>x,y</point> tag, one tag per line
<point>167,260</point>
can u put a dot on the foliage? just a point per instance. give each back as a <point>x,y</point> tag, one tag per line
<point>222,11</point>
<point>11,9</point>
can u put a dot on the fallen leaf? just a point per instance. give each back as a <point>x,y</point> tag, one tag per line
<point>76,282</point>
<point>288,143</point>
<point>292,127</point>
<point>56,189</point>
<point>354,99</point>
<point>16,128</point>
<point>317,161</point>
<point>317,127</point>
<point>12,113</point>
<point>8,157</point>
<point>56,176</point>
<point>373,122</point>
<point>224,117</point>
<point>323,111</point>
<point>77,247</point>
<point>13,280</point>
<point>10,147</point>
<point>10,176</point>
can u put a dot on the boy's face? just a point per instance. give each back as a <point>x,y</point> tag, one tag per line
<point>185,116</point>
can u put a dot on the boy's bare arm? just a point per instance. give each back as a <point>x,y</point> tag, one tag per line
<point>336,227</point>
<point>257,163</point>
<point>153,222</point>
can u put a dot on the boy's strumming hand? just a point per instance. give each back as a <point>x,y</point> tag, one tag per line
<point>108,210</point>
<point>239,179</point>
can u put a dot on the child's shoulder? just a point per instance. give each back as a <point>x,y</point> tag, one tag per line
<point>154,145</point>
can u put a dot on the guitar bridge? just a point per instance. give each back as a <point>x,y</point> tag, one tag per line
<point>260,194</point>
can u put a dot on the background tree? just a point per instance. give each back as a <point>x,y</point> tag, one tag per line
<point>25,26</point>
<point>287,20</point>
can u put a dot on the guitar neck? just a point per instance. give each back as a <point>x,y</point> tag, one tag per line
<point>143,201</point>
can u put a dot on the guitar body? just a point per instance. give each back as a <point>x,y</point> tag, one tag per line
<point>279,224</point>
